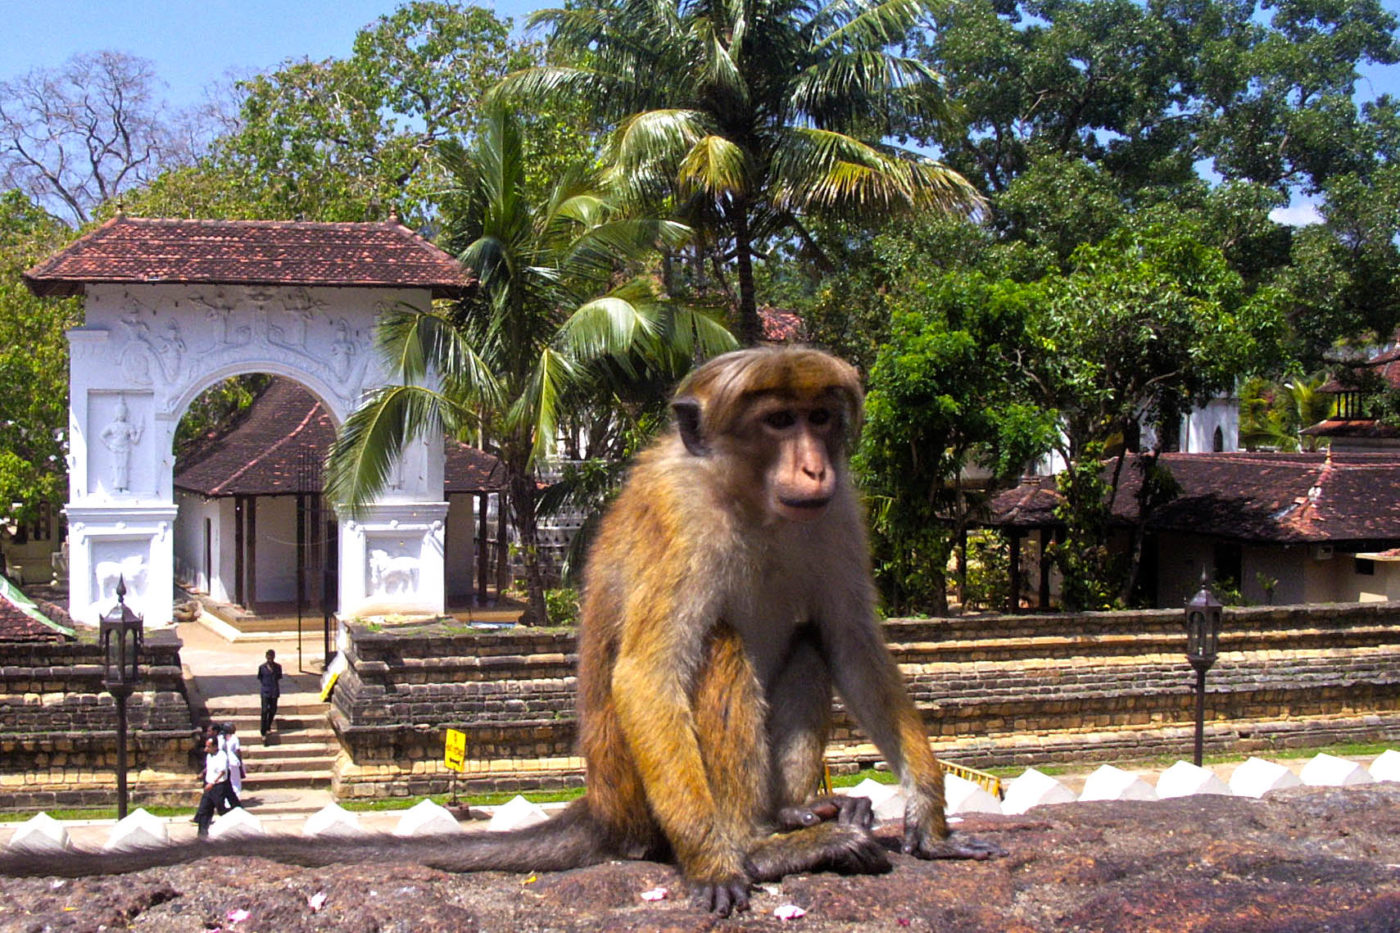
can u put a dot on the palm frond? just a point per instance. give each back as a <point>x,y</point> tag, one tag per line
<point>816,168</point>
<point>374,436</point>
<point>715,166</point>
<point>867,25</point>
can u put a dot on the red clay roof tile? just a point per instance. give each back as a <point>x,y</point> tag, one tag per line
<point>249,252</point>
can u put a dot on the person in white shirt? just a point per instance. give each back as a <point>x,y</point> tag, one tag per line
<point>228,741</point>
<point>215,784</point>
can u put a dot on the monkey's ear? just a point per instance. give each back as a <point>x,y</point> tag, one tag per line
<point>687,409</point>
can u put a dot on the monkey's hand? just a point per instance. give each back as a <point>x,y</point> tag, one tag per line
<point>721,897</point>
<point>847,811</point>
<point>926,836</point>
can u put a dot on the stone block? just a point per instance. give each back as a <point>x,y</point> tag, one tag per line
<point>518,813</point>
<point>40,835</point>
<point>237,823</point>
<point>887,800</point>
<point>1033,789</point>
<point>140,830</point>
<point>1256,777</point>
<point>333,820</point>
<point>1386,767</point>
<point>1185,779</point>
<point>1330,771</point>
<point>427,818</point>
<point>1110,783</point>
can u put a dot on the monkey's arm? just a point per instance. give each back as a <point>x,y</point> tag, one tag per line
<point>873,690</point>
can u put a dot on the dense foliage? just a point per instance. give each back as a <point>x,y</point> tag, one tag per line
<point>1097,242</point>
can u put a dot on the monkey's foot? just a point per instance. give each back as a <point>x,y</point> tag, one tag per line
<point>848,850</point>
<point>960,848</point>
<point>846,810</point>
<point>721,897</point>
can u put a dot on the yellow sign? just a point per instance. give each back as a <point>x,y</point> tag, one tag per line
<point>455,755</point>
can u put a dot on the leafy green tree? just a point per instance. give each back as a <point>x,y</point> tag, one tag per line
<point>752,115</point>
<point>946,399</point>
<point>551,321</point>
<point>33,365</point>
<point>1145,323</point>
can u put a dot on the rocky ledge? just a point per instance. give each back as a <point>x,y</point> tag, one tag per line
<point>1305,859</point>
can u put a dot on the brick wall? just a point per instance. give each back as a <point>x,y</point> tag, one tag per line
<point>58,726</point>
<point>993,689</point>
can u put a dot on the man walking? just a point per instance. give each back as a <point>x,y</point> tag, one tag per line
<point>269,679</point>
<point>215,784</point>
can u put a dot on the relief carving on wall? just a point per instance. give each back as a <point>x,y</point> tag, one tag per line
<point>290,326</point>
<point>145,350</point>
<point>119,436</point>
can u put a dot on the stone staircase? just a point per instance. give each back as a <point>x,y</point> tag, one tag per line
<point>298,755</point>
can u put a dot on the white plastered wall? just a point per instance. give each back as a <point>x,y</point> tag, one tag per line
<point>145,352</point>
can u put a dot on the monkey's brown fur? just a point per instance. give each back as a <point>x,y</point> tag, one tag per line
<point>728,592</point>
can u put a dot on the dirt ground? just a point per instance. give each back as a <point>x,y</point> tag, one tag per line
<point>1302,859</point>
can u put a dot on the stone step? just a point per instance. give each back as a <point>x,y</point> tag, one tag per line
<point>317,764</point>
<point>290,750</point>
<point>316,778</point>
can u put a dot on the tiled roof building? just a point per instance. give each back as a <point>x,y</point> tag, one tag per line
<point>1281,498</point>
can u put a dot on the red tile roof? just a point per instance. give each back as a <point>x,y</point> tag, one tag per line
<point>781,326</point>
<point>279,443</point>
<point>1252,497</point>
<point>249,252</point>
<point>21,619</point>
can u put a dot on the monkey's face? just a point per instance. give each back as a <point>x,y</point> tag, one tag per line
<point>801,440</point>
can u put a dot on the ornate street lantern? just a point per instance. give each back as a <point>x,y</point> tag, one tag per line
<point>1203,617</point>
<point>121,632</point>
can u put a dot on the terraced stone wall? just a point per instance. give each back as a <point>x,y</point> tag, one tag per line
<point>58,726</point>
<point>994,690</point>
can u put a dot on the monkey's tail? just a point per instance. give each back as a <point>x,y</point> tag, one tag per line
<point>572,839</point>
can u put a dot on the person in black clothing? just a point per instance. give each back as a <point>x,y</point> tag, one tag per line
<point>269,677</point>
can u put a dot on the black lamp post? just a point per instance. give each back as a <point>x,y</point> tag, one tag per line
<point>120,631</point>
<point>1203,615</point>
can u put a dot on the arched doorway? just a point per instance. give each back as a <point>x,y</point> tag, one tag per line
<point>173,307</point>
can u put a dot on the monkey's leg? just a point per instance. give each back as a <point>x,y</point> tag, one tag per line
<point>730,726</point>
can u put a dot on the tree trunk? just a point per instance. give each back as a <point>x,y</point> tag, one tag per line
<point>750,327</point>
<point>523,495</point>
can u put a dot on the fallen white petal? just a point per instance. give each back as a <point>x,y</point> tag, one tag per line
<point>789,912</point>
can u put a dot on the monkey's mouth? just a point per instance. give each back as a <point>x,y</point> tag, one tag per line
<point>804,508</point>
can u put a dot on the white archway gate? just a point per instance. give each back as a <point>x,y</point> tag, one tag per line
<point>146,351</point>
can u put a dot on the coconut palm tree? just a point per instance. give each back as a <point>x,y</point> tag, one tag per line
<point>543,331</point>
<point>751,114</point>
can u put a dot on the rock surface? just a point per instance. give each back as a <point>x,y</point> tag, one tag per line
<point>1300,859</point>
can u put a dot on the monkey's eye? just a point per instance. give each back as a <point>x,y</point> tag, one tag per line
<point>819,417</point>
<point>781,419</point>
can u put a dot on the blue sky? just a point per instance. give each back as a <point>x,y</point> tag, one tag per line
<point>195,44</point>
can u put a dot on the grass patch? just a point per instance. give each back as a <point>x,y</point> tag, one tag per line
<point>96,813</point>
<point>384,804</point>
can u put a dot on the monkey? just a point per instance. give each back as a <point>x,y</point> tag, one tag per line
<point>727,595</point>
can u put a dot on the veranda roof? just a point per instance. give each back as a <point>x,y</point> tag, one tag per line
<point>278,445</point>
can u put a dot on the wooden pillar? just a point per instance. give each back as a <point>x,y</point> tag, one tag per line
<point>1044,568</point>
<point>252,540</point>
<point>1015,599</point>
<point>483,551</point>
<point>239,503</point>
